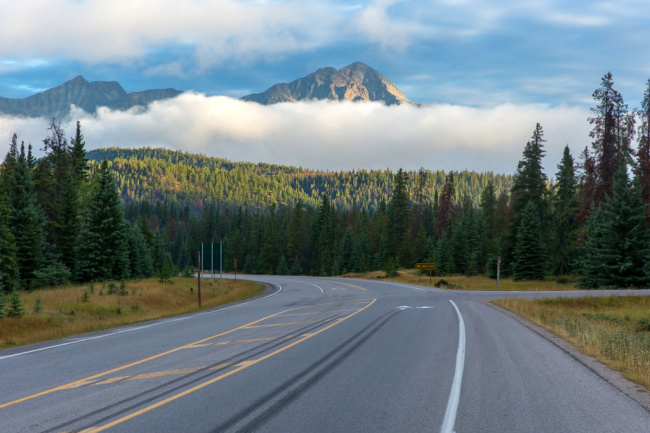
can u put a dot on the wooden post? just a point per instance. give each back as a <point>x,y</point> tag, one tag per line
<point>199,275</point>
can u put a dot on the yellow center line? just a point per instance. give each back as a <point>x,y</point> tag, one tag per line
<point>281,324</point>
<point>218,378</point>
<point>90,379</point>
<point>316,312</point>
<point>250,340</point>
<point>352,285</point>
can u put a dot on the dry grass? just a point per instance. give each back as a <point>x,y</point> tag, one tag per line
<point>65,312</point>
<point>461,282</point>
<point>615,330</point>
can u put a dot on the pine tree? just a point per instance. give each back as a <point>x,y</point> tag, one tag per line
<point>108,228</point>
<point>529,255</point>
<point>612,133</point>
<point>78,158</point>
<point>565,209</point>
<point>445,212</point>
<point>283,268</point>
<point>590,257</point>
<point>642,168</point>
<point>529,186</point>
<point>625,238</point>
<point>27,223</point>
<point>398,216</point>
<point>15,307</point>
<point>9,277</point>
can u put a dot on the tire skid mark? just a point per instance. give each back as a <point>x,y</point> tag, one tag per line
<point>275,401</point>
<point>181,381</point>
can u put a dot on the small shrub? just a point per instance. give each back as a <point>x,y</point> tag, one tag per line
<point>188,272</point>
<point>118,310</point>
<point>38,305</point>
<point>123,291</point>
<point>91,286</point>
<point>85,297</point>
<point>112,288</point>
<point>562,279</point>
<point>15,307</point>
<point>643,325</point>
<point>101,292</point>
<point>3,303</point>
<point>134,308</point>
<point>72,313</point>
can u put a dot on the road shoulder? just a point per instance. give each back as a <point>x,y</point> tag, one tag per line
<point>615,378</point>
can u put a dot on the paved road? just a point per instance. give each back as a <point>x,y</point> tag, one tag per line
<point>316,355</point>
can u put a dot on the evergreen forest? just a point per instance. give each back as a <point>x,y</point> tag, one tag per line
<point>115,214</point>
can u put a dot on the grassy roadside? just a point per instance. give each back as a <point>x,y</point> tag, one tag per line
<point>615,330</point>
<point>72,310</point>
<point>461,282</point>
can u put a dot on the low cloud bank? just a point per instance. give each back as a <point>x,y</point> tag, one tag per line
<point>327,135</point>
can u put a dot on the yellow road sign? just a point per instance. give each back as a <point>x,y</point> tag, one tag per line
<point>426,266</point>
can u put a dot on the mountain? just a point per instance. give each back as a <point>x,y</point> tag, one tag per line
<point>86,95</point>
<point>356,82</point>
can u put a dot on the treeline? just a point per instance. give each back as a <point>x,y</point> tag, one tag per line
<point>62,218</point>
<point>180,178</point>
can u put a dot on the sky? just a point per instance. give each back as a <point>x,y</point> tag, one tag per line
<point>487,70</point>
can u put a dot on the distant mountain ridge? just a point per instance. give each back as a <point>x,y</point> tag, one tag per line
<point>86,95</point>
<point>355,82</point>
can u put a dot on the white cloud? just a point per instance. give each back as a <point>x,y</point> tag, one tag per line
<point>329,135</point>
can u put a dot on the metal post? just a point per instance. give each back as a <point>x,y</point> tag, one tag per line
<point>212,259</point>
<point>201,263</point>
<point>199,276</point>
<point>498,272</point>
<point>418,276</point>
<point>429,276</point>
<point>221,263</point>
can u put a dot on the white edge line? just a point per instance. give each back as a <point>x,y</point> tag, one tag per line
<point>304,282</point>
<point>454,395</point>
<point>164,321</point>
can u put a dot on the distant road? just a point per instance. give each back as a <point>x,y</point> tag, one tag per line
<point>316,355</point>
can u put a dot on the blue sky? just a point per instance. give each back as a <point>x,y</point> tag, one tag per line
<point>461,54</point>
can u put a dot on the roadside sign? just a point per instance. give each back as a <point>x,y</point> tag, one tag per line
<point>425,266</point>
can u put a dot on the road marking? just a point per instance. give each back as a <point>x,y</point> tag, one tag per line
<point>218,378</point>
<point>162,322</point>
<point>281,324</point>
<point>90,379</point>
<point>304,282</point>
<point>76,383</point>
<point>352,285</point>
<point>316,312</point>
<point>454,395</point>
<point>249,340</point>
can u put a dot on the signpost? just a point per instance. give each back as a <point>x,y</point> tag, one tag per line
<point>235,270</point>
<point>498,271</point>
<point>425,267</point>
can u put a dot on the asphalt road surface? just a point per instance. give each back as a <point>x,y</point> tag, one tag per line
<point>316,355</point>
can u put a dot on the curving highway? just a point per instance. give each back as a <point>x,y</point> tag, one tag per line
<point>316,355</point>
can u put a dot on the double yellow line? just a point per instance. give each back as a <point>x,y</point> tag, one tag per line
<point>242,366</point>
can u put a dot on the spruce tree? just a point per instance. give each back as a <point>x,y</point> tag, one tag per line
<point>9,277</point>
<point>283,268</point>
<point>529,255</point>
<point>642,168</point>
<point>27,223</point>
<point>108,227</point>
<point>565,209</point>
<point>399,213</point>
<point>625,238</point>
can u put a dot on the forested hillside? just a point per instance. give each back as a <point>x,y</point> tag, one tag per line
<point>182,178</point>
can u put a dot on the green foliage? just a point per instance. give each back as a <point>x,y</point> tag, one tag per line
<point>616,249</point>
<point>38,305</point>
<point>53,275</point>
<point>3,305</point>
<point>15,305</point>
<point>85,297</point>
<point>282,268</point>
<point>529,254</point>
<point>391,267</point>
